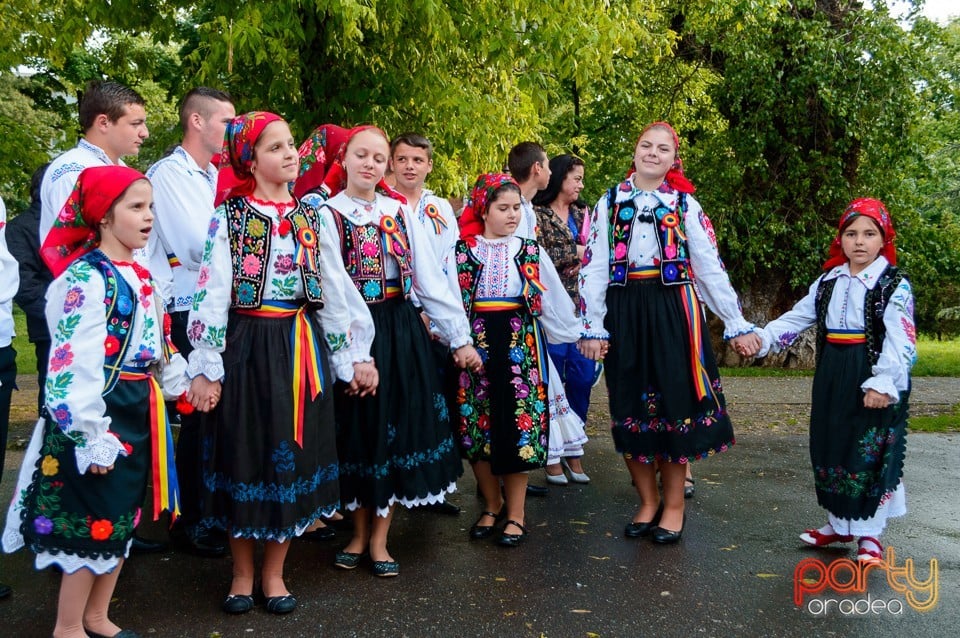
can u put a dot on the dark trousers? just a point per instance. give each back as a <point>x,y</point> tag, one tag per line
<point>42,348</point>
<point>187,456</point>
<point>577,373</point>
<point>8,377</point>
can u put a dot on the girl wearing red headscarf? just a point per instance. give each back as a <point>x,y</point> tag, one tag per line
<point>270,309</point>
<point>651,256</point>
<point>396,446</point>
<point>514,297</point>
<point>862,307</point>
<point>84,475</point>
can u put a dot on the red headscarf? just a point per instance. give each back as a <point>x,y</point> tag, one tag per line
<point>674,177</point>
<point>235,178</point>
<point>875,210</point>
<point>317,153</point>
<point>75,231</point>
<point>471,220</point>
<point>336,178</point>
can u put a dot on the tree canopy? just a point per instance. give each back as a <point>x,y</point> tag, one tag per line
<point>786,109</point>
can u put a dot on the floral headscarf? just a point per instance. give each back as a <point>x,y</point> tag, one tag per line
<point>317,153</point>
<point>235,178</point>
<point>471,220</point>
<point>875,210</point>
<point>336,178</point>
<point>75,231</point>
<point>674,177</point>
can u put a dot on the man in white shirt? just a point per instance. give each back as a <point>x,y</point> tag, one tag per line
<point>184,185</point>
<point>529,165</point>
<point>114,124</point>
<point>411,160</point>
<point>9,282</point>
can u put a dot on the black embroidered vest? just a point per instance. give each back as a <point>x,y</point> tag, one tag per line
<point>527,260</point>
<point>120,304</point>
<point>364,249</point>
<point>874,305</point>
<point>674,261</point>
<point>250,235</point>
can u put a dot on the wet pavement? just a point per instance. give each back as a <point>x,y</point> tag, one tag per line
<point>732,574</point>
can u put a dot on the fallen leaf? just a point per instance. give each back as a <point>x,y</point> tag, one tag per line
<point>600,557</point>
<point>581,611</point>
<point>500,579</point>
<point>728,549</point>
<point>579,523</point>
<point>765,575</point>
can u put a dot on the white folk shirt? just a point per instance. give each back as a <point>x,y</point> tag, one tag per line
<point>9,282</point>
<point>183,196</point>
<point>527,228</point>
<point>429,283</point>
<point>61,176</point>
<point>710,276</point>
<point>207,324</point>
<point>891,374</point>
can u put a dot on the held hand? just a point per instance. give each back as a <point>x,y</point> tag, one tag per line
<point>876,400</point>
<point>204,394</point>
<point>593,349</point>
<point>468,358</point>
<point>747,345</point>
<point>365,379</point>
<point>100,469</point>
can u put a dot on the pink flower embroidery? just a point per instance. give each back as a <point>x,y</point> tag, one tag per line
<point>370,249</point>
<point>61,358</point>
<point>251,265</point>
<point>908,327</point>
<point>203,277</point>
<point>620,251</point>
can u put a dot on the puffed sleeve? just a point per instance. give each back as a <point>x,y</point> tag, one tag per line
<point>559,317</point>
<point>207,323</point>
<point>784,330</point>
<point>174,380</point>
<point>361,330</point>
<point>594,274</point>
<point>78,329</point>
<point>713,283</point>
<point>339,313</point>
<point>891,373</point>
<point>433,291</point>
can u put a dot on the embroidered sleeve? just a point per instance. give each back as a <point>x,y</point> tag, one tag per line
<point>431,287</point>
<point>594,274</point>
<point>78,331</point>
<point>559,316</point>
<point>784,330</point>
<point>207,323</point>
<point>713,283</point>
<point>891,374</point>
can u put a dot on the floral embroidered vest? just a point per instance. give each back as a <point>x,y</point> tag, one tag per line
<point>365,247</point>
<point>674,262</point>
<point>250,235</point>
<point>874,305</point>
<point>120,304</point>
<point>527,260</point>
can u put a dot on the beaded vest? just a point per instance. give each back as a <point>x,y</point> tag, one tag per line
<point>527,260</point>
<point>365,247</point>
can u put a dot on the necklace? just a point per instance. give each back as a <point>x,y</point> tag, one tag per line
<point>365,203</point>
<point>280,207</point>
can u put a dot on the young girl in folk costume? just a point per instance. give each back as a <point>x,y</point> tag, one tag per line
<point>84,475</point>
<point>862,307</point>
<point>513,295</point>
<point>649,242</point>
<point>396,446</point>
<point>270,295</point>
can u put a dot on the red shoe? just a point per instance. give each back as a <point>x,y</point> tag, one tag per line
<point>870,551</point>
<point>818,539</point>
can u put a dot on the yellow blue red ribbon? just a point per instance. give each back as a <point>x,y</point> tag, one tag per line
<point>691,308</point>
<point>395,240</point>
<point>846,337</point>
<point>305,251</point>
<point>433,212</point>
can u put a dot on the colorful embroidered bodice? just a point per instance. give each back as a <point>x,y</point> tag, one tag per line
<point>365,249</point>
<point>527,259</point>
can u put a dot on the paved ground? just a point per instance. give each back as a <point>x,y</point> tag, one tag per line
<point>731,575</point>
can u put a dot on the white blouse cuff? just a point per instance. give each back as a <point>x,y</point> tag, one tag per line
<point>103,451</point>
<point>737,328</point>
<point>459,341</point>
<point>883,384</point>
<point>602,335</point>
<point>205,362</point>
<point>342,363</point>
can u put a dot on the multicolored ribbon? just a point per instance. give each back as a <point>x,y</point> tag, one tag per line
<point>846,337</point>
<point>433,213</point>
<point>691,308</point>
<point>396,242</point>
<point>392,288</point>
<point>305,251</point>
<point>531,279</point>
<point>643,272</point>
<point>305,356</point>
<point>494,304</point>
<point>166,490</point>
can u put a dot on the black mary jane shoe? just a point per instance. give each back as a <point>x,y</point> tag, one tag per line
<point>512,540</point>
<point>479,532</point>
<point>123,633</point>
<point>281,604</point>
<point>639,530</point>
<point>236,604</point>
<point>321,534</point>
<point>663,536</point>
<point>537,490</point>
<point>689,489</point>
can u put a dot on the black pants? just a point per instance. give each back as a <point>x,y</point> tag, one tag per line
<point>42,348</point>
<point>8,379</point>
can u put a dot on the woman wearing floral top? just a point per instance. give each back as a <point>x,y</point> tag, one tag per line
<point>271,299</point>
<point>649,243</point>
<point>84,475</point>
